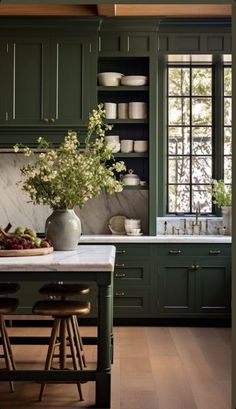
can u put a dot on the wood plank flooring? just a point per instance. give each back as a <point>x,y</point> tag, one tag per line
<point>154,368</point>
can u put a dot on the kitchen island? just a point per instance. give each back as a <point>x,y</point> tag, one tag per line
<point>90,263</point>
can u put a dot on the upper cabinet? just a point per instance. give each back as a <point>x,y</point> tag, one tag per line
<point>46,81</point>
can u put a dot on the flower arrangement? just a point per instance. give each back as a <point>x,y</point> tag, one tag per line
<point>221,193</point>
<point>68,176</point>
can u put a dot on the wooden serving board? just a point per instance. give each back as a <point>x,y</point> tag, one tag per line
<point>26,252</point>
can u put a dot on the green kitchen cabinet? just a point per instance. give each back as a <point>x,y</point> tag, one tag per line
<point>132,281</point>
<point>176,287</point>
<point>47,80</point>
<point>213,279</point>
<point>193,281</point>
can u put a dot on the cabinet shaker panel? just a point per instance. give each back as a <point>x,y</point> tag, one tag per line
<point>68,81</point>
<point>26,98</point>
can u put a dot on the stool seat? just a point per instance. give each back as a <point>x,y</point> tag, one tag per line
<point>8,288</point>
<point>64,308</point>
<point>64,289</point>
<point>8,305</point>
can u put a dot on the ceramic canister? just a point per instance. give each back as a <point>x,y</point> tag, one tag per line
<point>123,110</point>
<point>137,110</point>
<point>111,110</point>
<point>127,145</point>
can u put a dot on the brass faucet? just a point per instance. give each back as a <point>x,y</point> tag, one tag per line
<point>198,211</point>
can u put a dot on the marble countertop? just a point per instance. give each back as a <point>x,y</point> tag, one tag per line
<point>85,258</point>
<point>110,238</point>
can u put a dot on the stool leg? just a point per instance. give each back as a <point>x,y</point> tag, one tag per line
<point>77,342</point>
<point>73,352</point>
<point>9,346</point>
<point>80,339</point>
<point>6,350</point>
<point>49,357</point>
<point>62,345</point>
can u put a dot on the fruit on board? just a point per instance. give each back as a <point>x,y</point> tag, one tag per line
<point>31,232</point>
<point>22,238</point>
<point>20,230</point>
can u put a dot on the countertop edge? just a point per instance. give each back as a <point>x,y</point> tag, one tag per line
<point>109,239</point>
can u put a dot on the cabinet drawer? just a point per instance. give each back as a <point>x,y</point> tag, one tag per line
<point>137,272</point>
<point>123,251</point>
<point>177,250</point>
<point>131,302</point>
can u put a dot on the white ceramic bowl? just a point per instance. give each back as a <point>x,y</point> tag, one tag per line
<point>134,80</point>
<point>112,138</point>
<point>109,79</point>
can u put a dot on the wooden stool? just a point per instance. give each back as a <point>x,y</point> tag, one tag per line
<point>63,327</point>
<point>62,291</point>
<point>7,306</point>
<point>8,288</point>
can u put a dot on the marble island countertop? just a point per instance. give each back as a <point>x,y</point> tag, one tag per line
<point>110,238</point>
<point>85,258</point>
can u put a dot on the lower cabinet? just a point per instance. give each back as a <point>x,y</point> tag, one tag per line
<point>193,282</point>
<point>162,281</point>
<point>132,281</point>
<point>175,286</point>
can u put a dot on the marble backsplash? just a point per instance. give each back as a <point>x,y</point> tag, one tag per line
<point>15,208</point>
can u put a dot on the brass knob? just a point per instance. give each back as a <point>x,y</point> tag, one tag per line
<point>52,120</point>
<point>120,265</point>
<point>119,294</point>
<point>45,120</point>
<point>119,275</point>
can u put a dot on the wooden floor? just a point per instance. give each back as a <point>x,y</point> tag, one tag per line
<point>154,368</point>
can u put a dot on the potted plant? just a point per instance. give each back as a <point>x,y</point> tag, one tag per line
<point>69,176</point>
<point>222,197</point>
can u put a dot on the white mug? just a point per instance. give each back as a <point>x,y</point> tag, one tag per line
<point>123,110</point>
<point>111,110</point>
<point>127,145</point>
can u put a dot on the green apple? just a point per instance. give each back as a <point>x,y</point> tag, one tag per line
<point>19,230</point>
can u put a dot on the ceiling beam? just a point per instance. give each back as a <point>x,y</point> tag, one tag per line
<point>175,10</point>
<point>46,10</point>
<point>108,10</point>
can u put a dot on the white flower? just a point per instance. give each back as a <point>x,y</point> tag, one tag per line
<point>68,176</point>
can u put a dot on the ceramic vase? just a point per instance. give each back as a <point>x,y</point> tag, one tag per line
<point>226,212</point>
<point>63,228</point>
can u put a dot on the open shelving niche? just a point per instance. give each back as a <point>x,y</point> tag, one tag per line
<point>136,129</point>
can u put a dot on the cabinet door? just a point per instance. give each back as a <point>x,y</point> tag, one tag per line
<point>175,286</point>
<point>213,285</point>
<point>27,96</point>
<point>71,77</point>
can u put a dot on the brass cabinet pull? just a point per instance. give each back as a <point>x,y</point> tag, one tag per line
<point>120,252</point>
<point>214,252</point>
<point>175,252</point>
<point>120,265</point>
<point>45,120</point>
<point>52,120</point>
<point>119,294</point>
<point>119,275</point>
<point>194,267</point>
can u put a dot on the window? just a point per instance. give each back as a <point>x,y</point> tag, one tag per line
<point>228,124</point>
<point>191,131</point>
